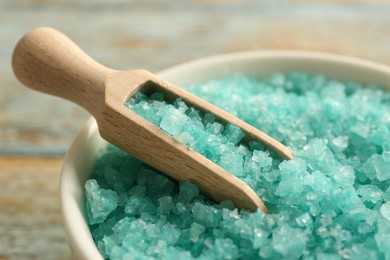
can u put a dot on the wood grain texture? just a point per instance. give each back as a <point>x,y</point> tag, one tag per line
<point>30,222</point>
<point>152,35</point>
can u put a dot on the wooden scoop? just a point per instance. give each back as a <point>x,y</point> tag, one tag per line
<point>48,61</point>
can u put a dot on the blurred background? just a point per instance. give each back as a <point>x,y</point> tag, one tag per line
<point>36,130</point>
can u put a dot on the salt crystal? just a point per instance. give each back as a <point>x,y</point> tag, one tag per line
<point>382,238</point>
<point>226,249</point>
<point>196,231</point>
<point>166,204</point>
<point>327,256</point>
<point>332,109</point>
<point>138,191</point>
<point>173,122</point>
<point>340,143</point>
<point>360,129</point>
<point>385,210</point>
<point>209,119</point>
<point>382,166</point>
<point>259,237</point>
<point>347,199</point>
<point>233,133</point>
<point>289,242</point>
<point>370,193</point>
<point>362,252</point>
<point>380,136</point>
<point>185,138</point>
<point>100,202</point>
<point>206,215</point>
<point>188,191</point>
<point>136,205</point>
<point>232,162</point>
<point>344,176</point>
<point>304,220</point>
<point>170,233</point>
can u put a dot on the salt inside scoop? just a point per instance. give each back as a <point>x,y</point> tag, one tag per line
<point>203,133</point>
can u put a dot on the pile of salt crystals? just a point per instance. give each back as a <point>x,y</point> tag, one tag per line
<point>330,202</point>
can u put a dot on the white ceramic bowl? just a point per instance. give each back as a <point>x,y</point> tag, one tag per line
<point>83,152</point>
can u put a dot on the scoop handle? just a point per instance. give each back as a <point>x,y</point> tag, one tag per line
<point>48,61</point>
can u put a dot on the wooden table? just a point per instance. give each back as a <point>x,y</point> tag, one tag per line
<point>36,130</point>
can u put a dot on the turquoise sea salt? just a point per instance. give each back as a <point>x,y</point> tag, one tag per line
<point>330,202</point>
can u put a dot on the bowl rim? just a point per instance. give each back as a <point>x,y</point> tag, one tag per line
<point>317,56</point>
<point>81,242</point>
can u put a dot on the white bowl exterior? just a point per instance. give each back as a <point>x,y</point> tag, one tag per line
<point>76,169</point>
<point>82,154</point>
